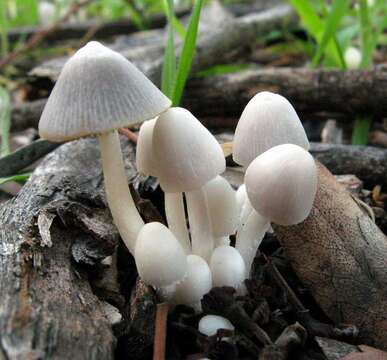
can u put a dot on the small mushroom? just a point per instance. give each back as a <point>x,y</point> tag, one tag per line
<point>281,184</point>
<point>196,284</point>
<point>352,57</point>
<point>188,157</point>
<point>174,203</point>
<point>267,120</point>
<point>227,267</point>
<point>222,208</point>
<point>210,324</point>
<point>99,91</point>
<point>160,259</point>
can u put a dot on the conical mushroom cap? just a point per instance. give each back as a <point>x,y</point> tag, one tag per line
<point>281,184</point>
<point>98,90</point>
<point>268,120</point>
<point>187,154</point>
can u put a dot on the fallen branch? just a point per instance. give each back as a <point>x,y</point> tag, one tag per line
<point>214,45</point>
<point>309,90</point>
<point>339,254</point>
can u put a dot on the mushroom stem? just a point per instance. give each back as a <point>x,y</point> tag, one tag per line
<point>199,222</point>
<point>250,236</point>
<point>174,210</point>
<point>121,204</point>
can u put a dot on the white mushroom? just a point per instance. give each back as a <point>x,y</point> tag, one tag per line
<point>196,284</point>
<point>174,203</point>
<point>188,157</point>
<point>210,324</point>
<point>352,57</point>
<point>227,267</point>
<point>267,120</point>
<point>160,259</point>
<point>97,92</point>
<point>281,184</point>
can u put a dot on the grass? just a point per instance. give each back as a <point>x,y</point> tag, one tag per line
<point>175,74</point>
<point>19,178</point>
<point>335,28</point>
<point>5,121</point>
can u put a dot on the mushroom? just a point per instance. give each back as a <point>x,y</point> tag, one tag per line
<point>196,284</point>
<point>210,324</point>
<point>267,120</point>
<point>160,259</point>
<point>281,184</point>
<point>174,203</point>
<point>222,208</point>
<point>227,267</point>
<point>352,57</point>
<point>188,157</point>
<point>97,92</point>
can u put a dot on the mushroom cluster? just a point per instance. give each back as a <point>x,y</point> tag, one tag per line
<point>99,91</point>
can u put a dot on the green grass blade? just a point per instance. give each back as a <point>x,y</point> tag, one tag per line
<point>168,74</point>
<point>5,121</point>
<point>339,9</point>
<point>4,28</point>
<point>187,53</point>
<point>367,43</point>
<point>315,26</point>
<point>178,27</point>
<point>19,177</point>
<point>361,130</point>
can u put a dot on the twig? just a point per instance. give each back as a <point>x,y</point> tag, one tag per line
<point>37,38</point>
<point>160,331</point>
<point>129,134</point>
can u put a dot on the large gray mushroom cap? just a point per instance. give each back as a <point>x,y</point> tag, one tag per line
<point>97,91</point>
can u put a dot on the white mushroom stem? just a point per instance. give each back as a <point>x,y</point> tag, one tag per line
<point>121,204</point>
<point>250,236</point>
<point>174,210</point>
<point>200,226</point>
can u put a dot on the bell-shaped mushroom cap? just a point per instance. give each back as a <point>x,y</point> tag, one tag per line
<point>210,324</point>
<point>281,184</point>
<point>267,120</point>
<point>227,267</point>
<point>98,90</point>
<point>160,259</point>
<point>188,155</point>
<point>196,284</point>
<point>222,206</point>
<point>144,155</point>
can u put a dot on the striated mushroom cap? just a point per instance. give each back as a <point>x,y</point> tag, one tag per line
<point>187,154</point>
<point>267,120</point>
<point>281,184</point>
<point>160,259</point>
<point>98,90</point>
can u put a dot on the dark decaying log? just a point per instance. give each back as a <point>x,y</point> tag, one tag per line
<point>309,90</point>
<point>340,255</point>
<point>50,234</point>
<point>368,163</point>
<point>327,92</point>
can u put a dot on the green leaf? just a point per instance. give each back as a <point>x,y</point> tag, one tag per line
<point>187,53</point>
<point>178,27</point>
<point>168,74</point>
<point>19,177</point>
<point>221,69</point>
<point>361,130</point>
<point>4,28</point>
<point>332,22</point>
<point>5,121</point>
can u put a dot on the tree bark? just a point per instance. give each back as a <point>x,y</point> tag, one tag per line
<point>51,234</point>
<point>340,255</point>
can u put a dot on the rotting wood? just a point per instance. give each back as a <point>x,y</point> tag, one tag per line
<point>309,90</point>
<point>48,309</point>
<point>339,254</point>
